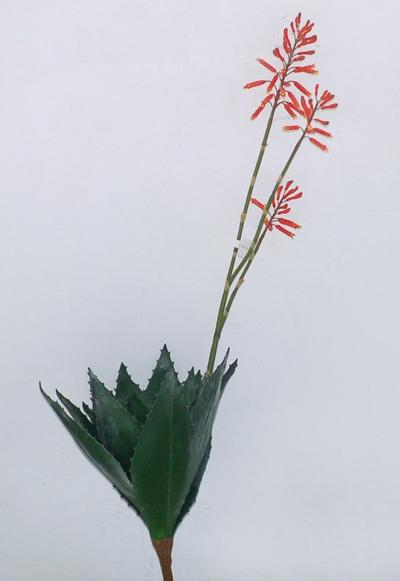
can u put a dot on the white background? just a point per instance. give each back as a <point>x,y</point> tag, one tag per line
<point>126,149</point>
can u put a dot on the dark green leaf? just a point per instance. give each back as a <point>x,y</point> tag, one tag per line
<point>163,364</point>
<point>93,450</point>
<point>228,374</point>
<point>194,489</point>
<point>163,465</point>
<point>191,388</point>
<point>117,429</point>
<point>89,412</point>
<point>76,414</point>
<point>131,396</point>
<point>205,408</point>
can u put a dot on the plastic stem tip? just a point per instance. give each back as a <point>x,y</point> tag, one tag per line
<point>163,549</point>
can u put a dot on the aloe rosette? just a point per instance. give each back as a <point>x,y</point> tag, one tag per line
<point>153,445</point>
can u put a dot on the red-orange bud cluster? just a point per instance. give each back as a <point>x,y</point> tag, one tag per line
<point>307,108</point>
<point>280,207</point>
<point>288,55</point>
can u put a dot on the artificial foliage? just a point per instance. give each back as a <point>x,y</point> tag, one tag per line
<point>154,444</point>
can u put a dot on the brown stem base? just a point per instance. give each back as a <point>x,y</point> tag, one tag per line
<point>163,549</point>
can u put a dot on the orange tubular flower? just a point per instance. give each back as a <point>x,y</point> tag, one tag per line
<point>263,103</point>
<point>308,108</point>
<point>280,207</point>
<point>289,55</point>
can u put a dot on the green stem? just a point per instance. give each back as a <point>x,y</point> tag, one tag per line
<point>225,293</point>
<point>221,316</point>
<point>248,259</point>
<point>243,274</point>
<point>267,206</point>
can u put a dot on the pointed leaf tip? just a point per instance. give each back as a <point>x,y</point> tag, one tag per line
<point>42,390</point>
<point>131,396</point>
<point>164,364</point>
<point>228,374</point>
<point>77,414</point>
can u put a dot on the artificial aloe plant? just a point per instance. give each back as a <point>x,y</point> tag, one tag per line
<point>154,444</point>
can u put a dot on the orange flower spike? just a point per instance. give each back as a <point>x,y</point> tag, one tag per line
<point>281,207</point>
<point>291,59</point>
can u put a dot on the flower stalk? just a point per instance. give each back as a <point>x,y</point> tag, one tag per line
<point>279,92</point>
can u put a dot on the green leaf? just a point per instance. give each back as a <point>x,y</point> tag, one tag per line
<point>191,388</point>
<point>95,452</point>
<point>117,429</point>
<point>163,365</point>
<point>77,414</point>
<point>211,392</point>
<point>163,465</point>
<point>206,406</point>
<point>194,489</point>
<point>131,396</point>
<point>228,374</point>
<point>89,412</point>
